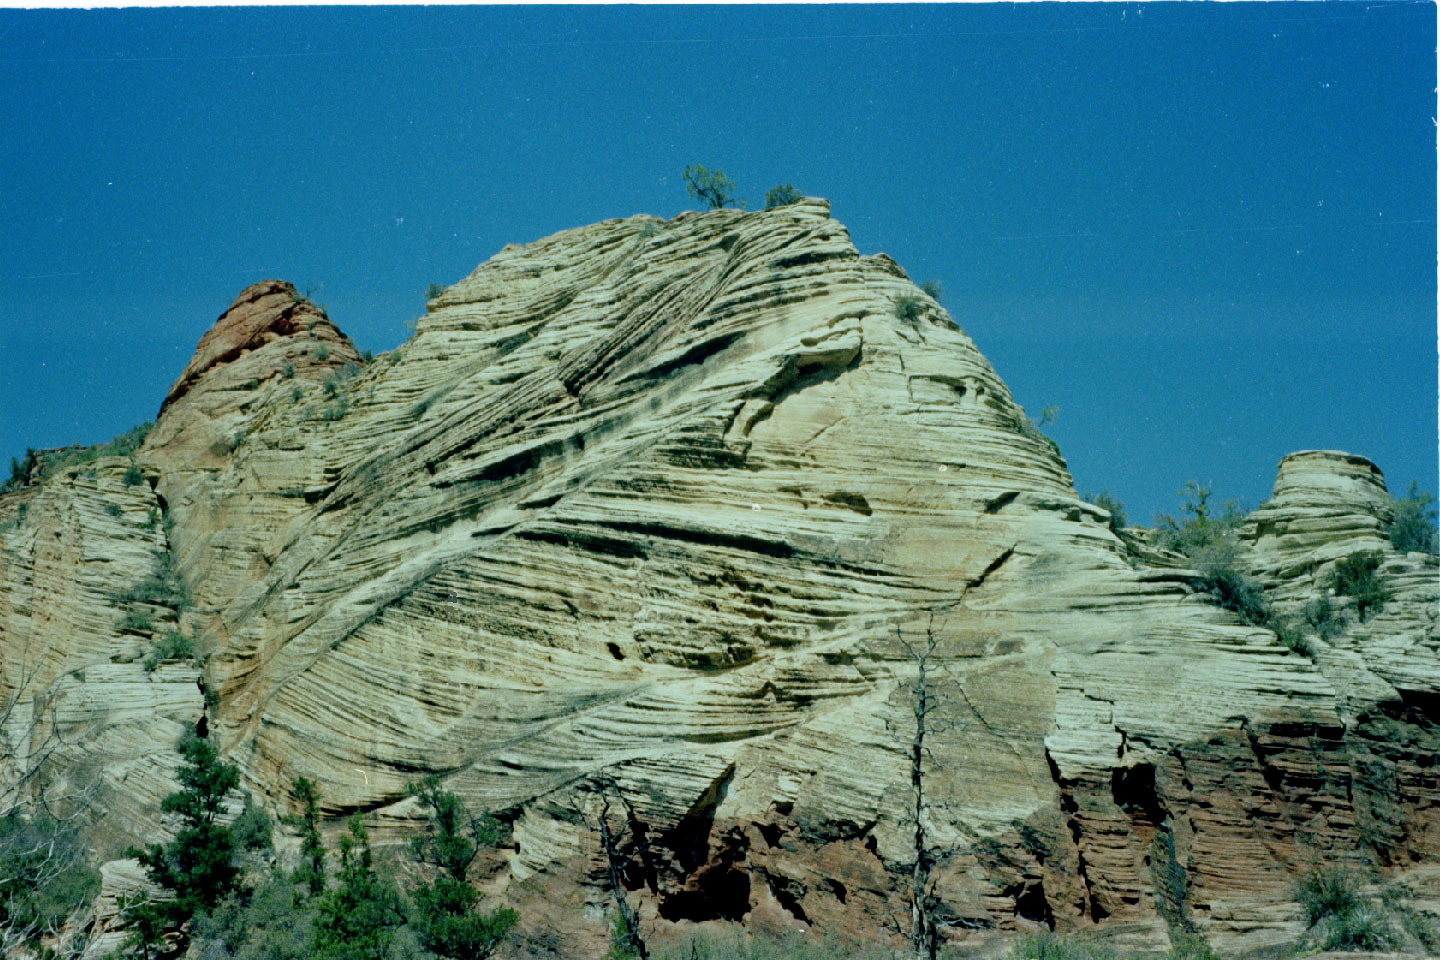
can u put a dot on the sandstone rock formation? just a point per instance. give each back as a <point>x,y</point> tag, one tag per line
<point>650,507</point>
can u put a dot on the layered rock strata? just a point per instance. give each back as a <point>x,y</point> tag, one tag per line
<point>656,510</point>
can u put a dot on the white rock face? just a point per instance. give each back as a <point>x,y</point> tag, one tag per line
<point>657,503</point>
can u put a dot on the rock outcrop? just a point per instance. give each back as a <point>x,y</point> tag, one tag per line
<point>652,509</point>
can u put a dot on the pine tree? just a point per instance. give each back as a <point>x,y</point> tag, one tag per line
<point>358,917</point>
<point>446,920</point>
<point>311,872</point>
<point>197,865</point>
<point>711,187</point>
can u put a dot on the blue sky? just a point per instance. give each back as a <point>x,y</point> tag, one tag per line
<point>1206,232</point>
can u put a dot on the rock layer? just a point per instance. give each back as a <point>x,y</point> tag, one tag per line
<point>651,509</point>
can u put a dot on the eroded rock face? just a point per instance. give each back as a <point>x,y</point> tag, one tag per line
<point>651,510</point>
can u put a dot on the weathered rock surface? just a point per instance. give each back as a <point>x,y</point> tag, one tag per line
<point>656,504</point>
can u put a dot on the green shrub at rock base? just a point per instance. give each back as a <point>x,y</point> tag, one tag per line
<point>1327,891</point>
<point>1052,946</point>
<point>1363,928</point>
<point>1338,915</point>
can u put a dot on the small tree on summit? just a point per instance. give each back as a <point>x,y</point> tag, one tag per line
<point>781,196</point>
<point>711,187</point>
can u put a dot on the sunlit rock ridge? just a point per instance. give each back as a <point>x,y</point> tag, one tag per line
<point>656,506</point>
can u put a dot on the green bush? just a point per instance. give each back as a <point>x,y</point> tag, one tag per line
<point>931,289</point>
<point>434,290</point>
<point>19,470</point>
<point>164,587</point>
<point>321,352</point>
<point>1289,633</point>
<point>1325,892</point>
<point>1190,946</point>
<point>124,445</point>
<point>1031,428</point>
<point>1198,525</point>
<point>446,923</point>
<point>133,476</point>
<point>253,829</point>
<point>781,196</point>
<point>137,621</point>
<point>710,187</point>
<point>1327,620</point>
<point>1118,521</point>
<point>173,645</point>
<point>1053,946</point>
<point>1354,577</point>
<point>1235,591</point>
<point>908,309</point>
<point>269,924</point>
<point>113,509</point>
<point>288,371</point>
<point>1413,527</point>
<point>1363,928</point>
<point>128,442</point>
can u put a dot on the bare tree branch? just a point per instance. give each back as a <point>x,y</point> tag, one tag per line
<point>611,835</point>
<point>39,843</point>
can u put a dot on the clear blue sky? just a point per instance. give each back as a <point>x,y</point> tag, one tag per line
<point>1205,231</point>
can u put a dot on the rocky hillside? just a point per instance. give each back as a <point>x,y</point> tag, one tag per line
<point>659,510</point>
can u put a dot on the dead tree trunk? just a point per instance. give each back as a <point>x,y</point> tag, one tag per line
<point>924,937</point>
<point>627,933</point>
